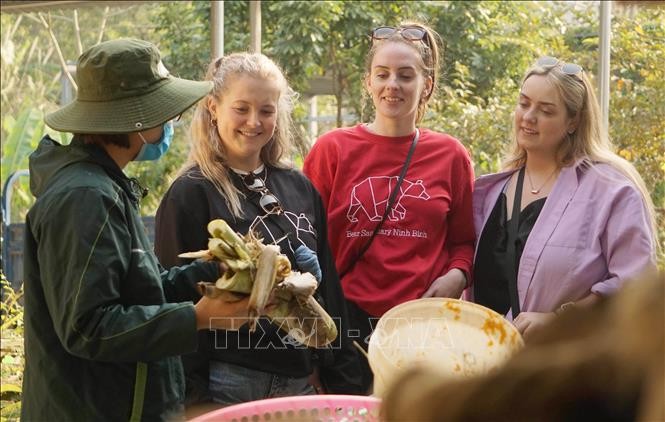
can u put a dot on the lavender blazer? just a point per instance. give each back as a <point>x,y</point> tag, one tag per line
<point>592,235</point>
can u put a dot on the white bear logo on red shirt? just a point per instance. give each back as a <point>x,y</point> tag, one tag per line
<point>371,195</point>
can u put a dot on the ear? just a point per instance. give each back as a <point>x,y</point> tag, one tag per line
<point>429,83</point>
<point>368,82</point>
<point>212,106</point>
<point>572,125</point>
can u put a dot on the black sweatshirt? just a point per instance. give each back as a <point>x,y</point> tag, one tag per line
<point>192,201</point>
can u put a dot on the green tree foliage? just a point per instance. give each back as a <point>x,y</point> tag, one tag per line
<point>637,104</point>
<point>183,29</point>
<point>12,361</point>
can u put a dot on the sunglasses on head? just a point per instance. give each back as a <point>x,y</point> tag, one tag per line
<point>411,33</point>
<point>567,68</point>
<point>268,202</point>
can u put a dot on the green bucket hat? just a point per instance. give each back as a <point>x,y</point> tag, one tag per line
<point>124,87</point>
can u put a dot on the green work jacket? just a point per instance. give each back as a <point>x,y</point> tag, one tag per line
<point>104,323</point>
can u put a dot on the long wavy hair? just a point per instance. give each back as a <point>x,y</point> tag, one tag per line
<point>590,142</point>
<point>429,51</point>
<point>207,149</point>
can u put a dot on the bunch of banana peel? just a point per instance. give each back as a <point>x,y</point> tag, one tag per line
<point>275,291</point>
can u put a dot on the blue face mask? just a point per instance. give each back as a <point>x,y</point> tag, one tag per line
<point>154,151</point>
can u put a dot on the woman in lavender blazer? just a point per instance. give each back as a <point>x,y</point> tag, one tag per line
<point>583,222</point>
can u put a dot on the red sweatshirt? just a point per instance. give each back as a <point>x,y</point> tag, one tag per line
<point>430,228</point>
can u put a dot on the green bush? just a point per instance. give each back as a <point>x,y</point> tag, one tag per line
<point>11,359</point>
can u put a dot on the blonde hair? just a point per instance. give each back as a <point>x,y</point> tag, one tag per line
<point>207,149</point>
<point>429,51</point>
<point>590,141</point>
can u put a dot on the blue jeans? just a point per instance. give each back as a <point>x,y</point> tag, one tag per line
<point>232,384</point>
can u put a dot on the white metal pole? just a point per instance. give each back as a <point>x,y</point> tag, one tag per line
<point>255,26</point>
<point>217,21</point>
<point>604,52</point>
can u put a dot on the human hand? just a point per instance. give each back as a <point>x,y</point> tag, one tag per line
<point>226,312</point>
<point>308,262</point>
<point>222,268</point>
<point>528,323</point>
<point>449,285</point>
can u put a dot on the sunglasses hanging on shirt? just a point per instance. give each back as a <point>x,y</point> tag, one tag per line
<point>268,201</point>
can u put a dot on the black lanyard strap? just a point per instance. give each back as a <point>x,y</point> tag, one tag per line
<point>391,200</point>
<point>513,226</point>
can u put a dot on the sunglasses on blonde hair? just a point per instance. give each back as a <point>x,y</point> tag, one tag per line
<point>567,68</point>
<point>410,33</point>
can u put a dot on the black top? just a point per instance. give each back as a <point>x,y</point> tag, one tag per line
<point>192,202</point>
<point>491,267</point>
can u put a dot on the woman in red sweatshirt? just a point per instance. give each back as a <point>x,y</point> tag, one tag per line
<point>406,189</point>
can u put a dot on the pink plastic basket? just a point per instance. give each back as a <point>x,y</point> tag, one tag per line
<point>324,408</point>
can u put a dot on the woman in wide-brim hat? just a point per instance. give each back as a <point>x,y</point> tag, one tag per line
<point>104,325</point>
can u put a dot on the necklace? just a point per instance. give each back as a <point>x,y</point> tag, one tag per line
<point>256,177</point>
<point>535,191</point>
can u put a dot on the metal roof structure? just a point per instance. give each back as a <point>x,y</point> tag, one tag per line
<point>37,6</point>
